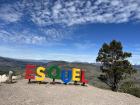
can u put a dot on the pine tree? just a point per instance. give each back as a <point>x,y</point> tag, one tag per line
<point>114,63</point>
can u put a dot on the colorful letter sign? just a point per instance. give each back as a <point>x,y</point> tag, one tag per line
<point>54,72</point>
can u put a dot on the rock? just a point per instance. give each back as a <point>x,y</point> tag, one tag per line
<point>3,78</point>
<point>10,76</point>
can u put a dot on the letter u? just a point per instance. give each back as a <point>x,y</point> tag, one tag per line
<point>66,76</point>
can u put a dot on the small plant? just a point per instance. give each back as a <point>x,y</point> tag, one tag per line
<point>126,86</point>
<point>134,91</point>
<point>129,87</point>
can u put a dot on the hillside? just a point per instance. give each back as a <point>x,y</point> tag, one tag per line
<point>18,65</point>
<point>93,71</point>
<point>22,93</point>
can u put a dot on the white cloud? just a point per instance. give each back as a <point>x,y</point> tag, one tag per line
<point>135,59</point>
<point>79,12</point>
<point>84,45</point>
<point>54,34</point>
<point>50,36</point>
<point>10,13</point>
<point>72,12</point>
<point>21,37</point>
<point>71,57</point>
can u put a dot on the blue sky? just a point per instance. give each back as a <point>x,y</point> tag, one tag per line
<point>70,30</point>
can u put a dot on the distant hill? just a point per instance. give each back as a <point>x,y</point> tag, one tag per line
<point>136,67</point>
<point>7,64</point>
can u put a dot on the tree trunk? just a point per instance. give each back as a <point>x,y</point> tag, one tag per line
<point>115,83</point>
<point>115,87</point>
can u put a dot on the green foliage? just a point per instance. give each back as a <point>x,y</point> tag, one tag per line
<point>134,91</point>
<point>114,63</point>
<point>126,86</point>
<point>129,87</point>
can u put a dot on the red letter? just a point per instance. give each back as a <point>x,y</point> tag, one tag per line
<point>83,77</point>
<point>30,74</point>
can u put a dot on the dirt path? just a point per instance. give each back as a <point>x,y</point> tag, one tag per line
<point>21,93</point>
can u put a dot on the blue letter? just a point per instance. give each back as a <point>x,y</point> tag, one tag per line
<point>66,76</point>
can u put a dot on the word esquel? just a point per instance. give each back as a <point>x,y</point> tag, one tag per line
<point>54,72</point>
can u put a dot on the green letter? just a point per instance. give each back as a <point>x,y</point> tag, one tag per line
<point>54,72</point>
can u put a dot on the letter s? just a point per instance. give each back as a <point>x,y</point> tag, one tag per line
<point>41,76</point>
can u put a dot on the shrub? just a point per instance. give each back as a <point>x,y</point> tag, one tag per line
<point>129,87</point>
<point>134,91</point>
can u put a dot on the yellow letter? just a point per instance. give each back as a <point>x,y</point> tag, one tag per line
<point>41,75</point>
<point>75,74</point>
